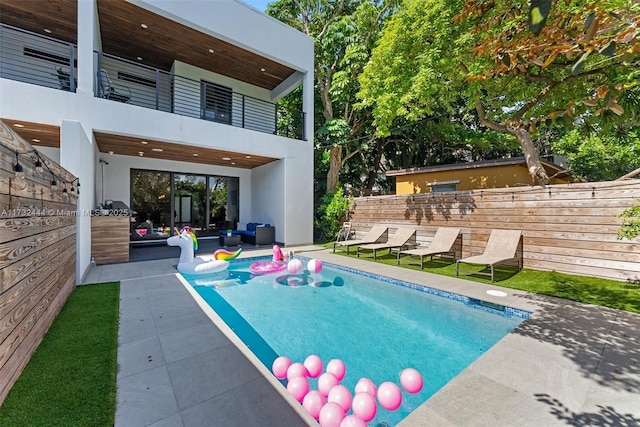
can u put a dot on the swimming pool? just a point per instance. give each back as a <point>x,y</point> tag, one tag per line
<point>377,326</point>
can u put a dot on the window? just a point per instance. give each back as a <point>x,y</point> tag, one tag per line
<point>216,102</point>
<point>442,186</point>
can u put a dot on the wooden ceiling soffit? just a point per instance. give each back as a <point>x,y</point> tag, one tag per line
<point>133,146</point>
<point>37,134</point>
<point>163,41</point>
<point>60,17</point>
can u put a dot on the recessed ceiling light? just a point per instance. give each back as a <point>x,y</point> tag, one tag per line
<point>226,158</point>
<point>233,163</point>
<point>48,31</point>
<point>248,157</point>
<point>157,149</point>
<point>263,70</point>
<point>211,51</point>
<point>144,26</point>
<point>141,153</point>
<point>139,58</point>
<point>111,153</point>
<point>144,142</point>
<point>195,154</point>
<point>35,140</point>
<point>18,125</point>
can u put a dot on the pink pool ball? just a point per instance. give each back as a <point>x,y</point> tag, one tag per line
<point>353,421</point>
<point>364,406</point>
<point>340,395</point>
<point>365,385</point>
<point>295,266</point>
<point>280,367</point>
<point>296,370</point>
<point>389,396</point>
<point>313,402</point>
<point>411,380</point>
<point>331,415</point>
<point>298,387</point>
<point>313,364</point>
<point>314,266</point>
<point>337,368</point>
<point>326,382</point>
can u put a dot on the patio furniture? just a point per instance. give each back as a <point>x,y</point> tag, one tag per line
<point>501,247</point>
<point>378,233</point>
<point>255,234</point>
<point>402,238</point>
<point>345,232</point>
<point>442,243</point>
<point>109,91</point>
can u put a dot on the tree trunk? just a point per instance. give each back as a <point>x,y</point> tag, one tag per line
<point>536,170</point>
<point>335,163</point>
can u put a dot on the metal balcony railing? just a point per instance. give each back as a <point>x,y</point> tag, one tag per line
<point>36,59</point>
<point>125,81</point>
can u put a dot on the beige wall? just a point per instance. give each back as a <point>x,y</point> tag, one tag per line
<point>501,176</point>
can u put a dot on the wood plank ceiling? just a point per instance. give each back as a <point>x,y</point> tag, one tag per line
<point>159,44</point>
<point>49,136</point>
<point>162,42</point>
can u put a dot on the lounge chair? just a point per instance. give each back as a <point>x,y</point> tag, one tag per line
<point>402,238</point>
<point>442,243</point>
<point>501,247</point>
<point>378,233</point>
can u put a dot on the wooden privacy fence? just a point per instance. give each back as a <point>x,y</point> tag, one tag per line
<point>570,228</point>
<point>37,252</point>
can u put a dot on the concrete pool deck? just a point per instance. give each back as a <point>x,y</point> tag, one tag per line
<point>179,365</point>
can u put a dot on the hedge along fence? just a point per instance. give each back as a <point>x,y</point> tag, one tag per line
<point>37,252</point>
<point>570,228</point>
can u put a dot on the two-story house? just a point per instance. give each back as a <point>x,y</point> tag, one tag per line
<point>168,106</point>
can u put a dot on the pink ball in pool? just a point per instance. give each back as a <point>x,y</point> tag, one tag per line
<point>340,395</point>
<point>331,415</point>
<point>295,266</point>
<point>298,387</point>
<point>364,406</point>
<point>326,382</point>
<point>314,266</point>
<point>280,367</point>
<point>337,368</point>
<point>365,385</point>
<point>296,370</point>
<point>313,402</point>
<point>313,364</point>
<point>411,380</point>
<point>389,396</point>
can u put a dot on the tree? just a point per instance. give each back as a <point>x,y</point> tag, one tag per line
<point>580,64</point>
<point>344,31</point>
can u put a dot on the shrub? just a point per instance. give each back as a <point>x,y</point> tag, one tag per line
<point>630,228</point>
<point>333,210</point>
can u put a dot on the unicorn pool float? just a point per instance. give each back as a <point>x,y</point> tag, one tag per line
<point>278,263</point>
<point>190,264</point>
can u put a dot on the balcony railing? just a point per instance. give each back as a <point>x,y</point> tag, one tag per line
<point>36,59</point>
<point>125,81</point>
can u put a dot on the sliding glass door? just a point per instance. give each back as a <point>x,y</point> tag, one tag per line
<point>205,203</point>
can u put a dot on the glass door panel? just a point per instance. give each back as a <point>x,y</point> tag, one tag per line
<point>151,203</point>
<point>190,202</point>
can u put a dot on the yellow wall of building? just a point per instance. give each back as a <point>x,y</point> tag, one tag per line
<point>499,176</point>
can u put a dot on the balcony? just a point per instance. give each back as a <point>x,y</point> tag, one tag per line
<point>125,81</point>
<point>44,61</point>
<point>32,58</point>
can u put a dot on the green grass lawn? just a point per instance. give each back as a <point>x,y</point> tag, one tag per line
<point>71,378</point>
<point>591,290</point>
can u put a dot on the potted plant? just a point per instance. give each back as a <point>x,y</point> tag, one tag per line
<point>229,232</point>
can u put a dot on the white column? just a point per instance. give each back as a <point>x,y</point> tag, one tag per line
<point>88,40</point>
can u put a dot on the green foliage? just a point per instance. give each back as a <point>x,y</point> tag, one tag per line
<point>600,156</point>
<point>630,228</point>
<point>333,210</point>
<point>71,378</point>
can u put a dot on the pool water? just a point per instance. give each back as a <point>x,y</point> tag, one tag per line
<point>377,328</point>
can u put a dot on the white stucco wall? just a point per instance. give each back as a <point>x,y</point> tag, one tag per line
<point>284,192</point>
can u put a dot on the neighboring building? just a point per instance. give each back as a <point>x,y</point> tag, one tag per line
<point>500,173</point>
<point>175,95</point>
